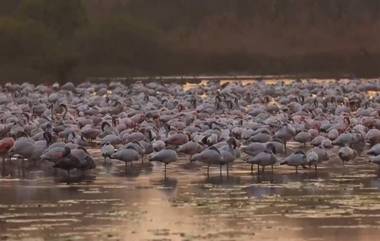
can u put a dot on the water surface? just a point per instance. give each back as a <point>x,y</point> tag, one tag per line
<point>337,203</point>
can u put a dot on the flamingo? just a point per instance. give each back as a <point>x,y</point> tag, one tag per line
<point>165,156</point>
<point>107,151</point>
<point>346,154</point>
<point>77,158</point>
<point>5,145</point>
<point>303,137</point>
<point>190,148</point>
<point>312,158</point>
<point>264,158</point>
<point>128,154</point>
<point>285,133</point>
<point>210,156</point>
<point>296,159</point>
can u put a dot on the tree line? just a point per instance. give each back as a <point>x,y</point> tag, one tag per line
<point>72,39</point>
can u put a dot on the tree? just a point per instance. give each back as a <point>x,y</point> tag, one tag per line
<point>64,17</point>
<point>122,41</point>
<point>22,41</point>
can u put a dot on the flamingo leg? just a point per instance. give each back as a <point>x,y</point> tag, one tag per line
<point>22,168</point>
<point>165,170</point>
<point>3,166</point>
<point>251,169</point>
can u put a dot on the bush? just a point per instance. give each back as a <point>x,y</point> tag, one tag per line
<point>23,41</point>
<point>61,17</point>
<point>122,41</point>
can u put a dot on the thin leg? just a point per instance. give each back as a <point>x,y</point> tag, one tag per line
<point>272,169</point>
<point>220,170</point>
<point>3,167</point>
<point>22,168</point>
<point>18,165</point>
<point>165,171</point>
<point>227,170</point>
<point>258,169</point>
<point>251,169</point>
<point>208,170</point>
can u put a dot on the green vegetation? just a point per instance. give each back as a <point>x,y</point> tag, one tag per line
<point>72,39</point>
<point>40,38</point>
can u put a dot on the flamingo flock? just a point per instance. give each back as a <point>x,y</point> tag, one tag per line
<point>298,124</point>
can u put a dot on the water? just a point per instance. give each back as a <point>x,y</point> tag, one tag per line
<point>337,203</point>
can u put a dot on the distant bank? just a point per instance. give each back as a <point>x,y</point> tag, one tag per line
<point>76,39</point>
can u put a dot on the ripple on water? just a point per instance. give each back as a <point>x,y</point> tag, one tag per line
<point>189,206</point>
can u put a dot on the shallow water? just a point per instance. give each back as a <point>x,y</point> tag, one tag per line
<point>106,204</point>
